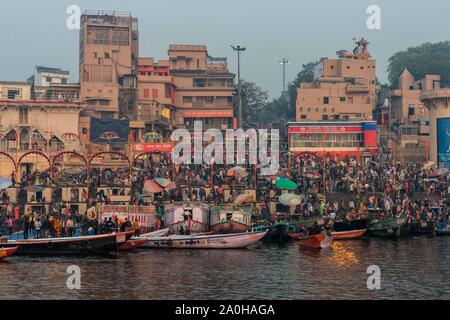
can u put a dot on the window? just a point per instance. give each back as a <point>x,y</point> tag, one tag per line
<point>187,99</point>
<point>198,63</point>
<point>326,100</point>
<point>48,79</point>
<point>324,117</point>
<point>64,81</point>
<point>154,93</point>
<point>342,99</point>
<point>324,109</point>
<point>348,67</point>
<point>209,100</point>
<point>303,116</point>
<point>107,55</point>
<point>94,55</point>
<point>104,102</point>
<point>146,93</point>
<point>12,94</point>
<point>23,115</point>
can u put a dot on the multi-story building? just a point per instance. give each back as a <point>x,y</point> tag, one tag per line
<point>409,118</point>
<point>109,50</point>
<point>156,96</point>
<point>36,123</point>
<point>342,89</point>
<point>204,87</point>
<point>45,76</point>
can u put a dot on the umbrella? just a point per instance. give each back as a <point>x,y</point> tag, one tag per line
<point>152,187</point>
<point>290,199</point>
<point>238,172</point>
<point>286,184</point>
<point>171,186</point>
<point>243,198</point>
<point>313,175</point>
<point>428,165</point>
<point>5,183</point>
<point>163,182</point>
<point>34,188</point>
<point>440,172</point>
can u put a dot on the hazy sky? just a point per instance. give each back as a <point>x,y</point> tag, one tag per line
<point>33,32</point>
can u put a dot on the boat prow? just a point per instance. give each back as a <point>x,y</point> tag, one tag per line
<point>348,235</point>
<point>317,241</point>
<point>7,252</point>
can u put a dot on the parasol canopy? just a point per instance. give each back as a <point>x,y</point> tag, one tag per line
<point>237,172</point>
<point>313,175</point>
<point>34,188</point>
<point>243,198</point>
<point>5,183</point>
<point>151,186</point>
<point>163,182</point>
<point>428,165</point>
<point>171,186</point>
<point>285,184</point>
<point>439,173</point>
<point>290,199</point>
<point>152,136</point>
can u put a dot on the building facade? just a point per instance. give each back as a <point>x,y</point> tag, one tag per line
<point>45,76</point>
<point>204,87</point>
<point>342,89</point>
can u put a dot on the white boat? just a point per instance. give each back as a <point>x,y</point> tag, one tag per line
<point>159,233</point>
<point>226,241</point>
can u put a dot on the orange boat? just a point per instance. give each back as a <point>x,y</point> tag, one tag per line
<point>317,241</point>
<point>130,245</point>
<point>6,252</point>
<point>347,235</point>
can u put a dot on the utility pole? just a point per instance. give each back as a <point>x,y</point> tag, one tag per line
<point>284,62</point>
<point>239,49</point>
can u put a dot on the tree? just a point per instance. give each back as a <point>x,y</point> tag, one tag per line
<point>428,58</point>
<point>254,101</point>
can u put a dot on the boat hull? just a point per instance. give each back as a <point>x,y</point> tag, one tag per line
<point>348,235</point>
<point>423,228</point>
<point>391,228</point>
<point>229,227</point>
<point>7,252</point>
<point>316,242</point>
<point>230,241</point>
<point>131,245</point>
<point>101,244</point>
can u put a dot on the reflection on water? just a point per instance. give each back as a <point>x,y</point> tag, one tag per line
<point>411,268</point>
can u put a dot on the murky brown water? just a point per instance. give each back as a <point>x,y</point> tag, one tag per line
<point>411,268</point>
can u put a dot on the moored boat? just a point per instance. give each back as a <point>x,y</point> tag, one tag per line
<point>187,218</point>
<point>99,244</point>
<point>226,241</point>
<point>391,228</point>
<point>443,229</point>
<point>131,245</point>
<point>317,241</point>
<point>423,228</point>
<point>226,220</point>
<point>278,232</point>
<point>6,252</point>
<point>348,235</point>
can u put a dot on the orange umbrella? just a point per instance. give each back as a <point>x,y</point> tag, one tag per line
<point>243,198</point>
<point>152,187</point>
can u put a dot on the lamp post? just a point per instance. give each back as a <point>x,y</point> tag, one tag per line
<point>284,62</point>
<point>239,49</point>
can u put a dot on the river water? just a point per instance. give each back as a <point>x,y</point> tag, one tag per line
<point>413,268</point>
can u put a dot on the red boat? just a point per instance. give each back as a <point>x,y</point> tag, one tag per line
<point>130,245</point>
<point>6,252</point>
<point>347,235</point>
<point>317,241</point>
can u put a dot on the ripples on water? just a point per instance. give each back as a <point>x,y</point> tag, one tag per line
<point>411,269</point>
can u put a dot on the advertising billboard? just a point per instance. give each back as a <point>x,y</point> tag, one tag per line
<point>108,131</point>
<point>443,139</point>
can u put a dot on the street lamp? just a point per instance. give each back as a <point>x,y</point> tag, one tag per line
<point>239,49</point>
<point>284,62</point>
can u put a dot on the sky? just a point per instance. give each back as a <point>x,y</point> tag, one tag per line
<point>34,32</point>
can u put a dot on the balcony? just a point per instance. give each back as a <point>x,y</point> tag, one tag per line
<point>357,88</point>
<point>158,120</point>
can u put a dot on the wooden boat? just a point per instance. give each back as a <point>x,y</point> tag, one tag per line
<point>308,224</point>
<point>6,252</point>
<point>391,228</point>
<point>317,241</point>
<point>353,225</point>
<point>226,220</point>
<point>348,235</point>
<point>187,217</point>
<point>423,228</point>
<point>278,232</point>
<point>99,244</point>
<point>158,233</point>
<point>226,241</point>
<point>131,245</point>
<point>443,229</point>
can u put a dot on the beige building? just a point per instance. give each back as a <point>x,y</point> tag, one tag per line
<point>156,96</point>
<point>204,87</point>
<point>436,100</point>
<point>342,89</point>
<point>109,50</point>
<point>35,123</point>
